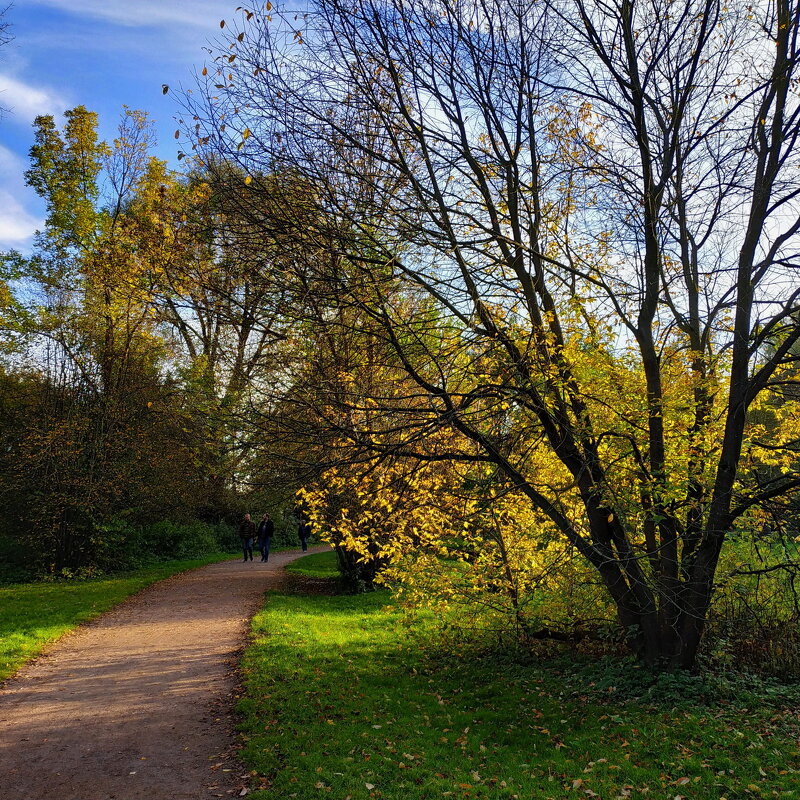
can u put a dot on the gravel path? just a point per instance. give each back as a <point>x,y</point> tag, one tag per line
<point>137,704</point>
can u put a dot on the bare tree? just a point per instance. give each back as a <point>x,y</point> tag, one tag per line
<point>600,201</point>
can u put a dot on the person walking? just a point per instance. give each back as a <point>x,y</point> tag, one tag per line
<point>266,529</point>
<point>303,531</point>
<point>247,530</point>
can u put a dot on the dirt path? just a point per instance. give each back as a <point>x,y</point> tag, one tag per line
<point>137,703</point>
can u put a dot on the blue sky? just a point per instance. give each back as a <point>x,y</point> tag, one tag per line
<point>102,54</point>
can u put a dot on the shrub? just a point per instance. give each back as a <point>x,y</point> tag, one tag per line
<point>15,563</point>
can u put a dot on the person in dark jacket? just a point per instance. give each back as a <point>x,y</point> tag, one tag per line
<point>265,530</point>
<point>247,530</point>
<point>303,531</point>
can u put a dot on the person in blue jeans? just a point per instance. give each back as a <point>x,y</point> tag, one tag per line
<point>265,530</point>
<point>247,530</point>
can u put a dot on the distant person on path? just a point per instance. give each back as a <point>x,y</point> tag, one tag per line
<point>247,530</point>
<point>265,530</point>
<point>303,531</point>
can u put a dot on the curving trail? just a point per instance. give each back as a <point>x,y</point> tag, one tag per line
<point>137,704</point>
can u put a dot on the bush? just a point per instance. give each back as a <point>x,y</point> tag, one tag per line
<point>15,563</point>
<point>227,537</point>
<point>117,545</point>
<point>168,540</point>
<point>625,680</point>
<point>766,647</point>
<point>286,531</point>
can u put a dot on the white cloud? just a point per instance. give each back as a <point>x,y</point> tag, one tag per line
<point>17,223</point>
<point>146,13</point>
<point>10,163</point>
<point>24,102</point>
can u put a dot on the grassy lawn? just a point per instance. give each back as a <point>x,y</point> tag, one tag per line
<point>34,614</point>
<point>345,700</point>
<point>316,565</point>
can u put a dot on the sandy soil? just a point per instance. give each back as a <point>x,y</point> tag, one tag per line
<point>137,704</point>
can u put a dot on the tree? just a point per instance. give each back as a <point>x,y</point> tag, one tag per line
<point>600,200</point>
<point>217,297</point>
<point>106,436</point>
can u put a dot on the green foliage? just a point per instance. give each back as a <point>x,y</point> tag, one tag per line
<point>624,680</point>
<point>33,615</point>
<point>14,561</point>
<point>118,545</point>
<point>166,540</point>
<point>285,531</point>
<point>170,540</point>
<point>64,171</point>
<point>752,625</point>
<point>344,698</point>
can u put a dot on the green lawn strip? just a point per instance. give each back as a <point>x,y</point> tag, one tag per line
<point>343,700</point>
<point>32,615</point>
<point>316,565</point>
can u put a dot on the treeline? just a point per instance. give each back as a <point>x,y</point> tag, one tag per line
<point>132,338</point>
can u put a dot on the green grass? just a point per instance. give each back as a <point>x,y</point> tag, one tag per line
<point>32,615</point>
<point>344,700</point>
<point>316,565</point>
